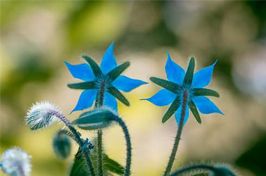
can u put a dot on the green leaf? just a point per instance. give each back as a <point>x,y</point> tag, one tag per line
<point>95,117</point>
<point>173,87</point>
<point>194,111</point>
<point>204,92</point>
<point>113,74</point>
<point>95,68</point>
<point>116,93</point>
<point>190,71</point>
<point>172,109</point>
<point>112,165</point>
<point>79,167</point>
<point>82,85</point>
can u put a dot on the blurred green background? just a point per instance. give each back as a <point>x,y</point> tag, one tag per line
<point>37,36</point>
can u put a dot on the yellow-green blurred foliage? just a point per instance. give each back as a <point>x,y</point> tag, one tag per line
<point>37,36</point>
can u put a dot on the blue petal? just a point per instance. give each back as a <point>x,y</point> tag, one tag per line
<point>108,61</point>
<point>85,100</point>
<point>173,71</point>
<point>178,115</point>
<point>162,98</point>
<point>203,77</point>
<point>80,71</point>
<point>110,101</point>
<point>205,105</point>
<point>127,84</point>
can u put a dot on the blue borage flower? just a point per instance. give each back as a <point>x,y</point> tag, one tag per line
<point>185,90</point>
<point>104,80</point>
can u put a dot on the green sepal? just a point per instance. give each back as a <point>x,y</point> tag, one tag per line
<point>172,109</point>
<point>116,93</point>
<point>82,85</point>
<point>204,92</point>
<point>194,111</point>
<point>94,117</point>
<point>173,87</point>
<point>189,73</point>
<point>61,145</point>
<point>94,66</point>
<point>113,74</point>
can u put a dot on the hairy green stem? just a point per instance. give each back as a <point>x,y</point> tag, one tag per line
<point>100,152</point>
<point>128,143</point>
<point>203,168</point>
<point>78,139</point>
<point>98,104</point>
<point>178,135</point>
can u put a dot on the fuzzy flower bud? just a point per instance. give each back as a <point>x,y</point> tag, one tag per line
<point>61,145</point>
<point>15,162</point>
<point>42,115</point>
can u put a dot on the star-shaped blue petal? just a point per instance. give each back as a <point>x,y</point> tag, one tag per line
<point>174,72</point>
<point>162,98</point>
<point>184,91</point>
<point>109,61</point>
<point>127,84</point>
<point>203,77</point>
<point>102,84</point>
<point>80,71</point>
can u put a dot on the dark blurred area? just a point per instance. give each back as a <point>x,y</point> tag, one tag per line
<point>37,36</point>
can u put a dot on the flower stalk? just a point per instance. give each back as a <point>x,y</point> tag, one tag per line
<point>98,104</point>
<point>100,152</point>
<point>178,135</point>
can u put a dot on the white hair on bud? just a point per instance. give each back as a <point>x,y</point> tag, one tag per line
<point>16,162</point>
<point>41,115</point>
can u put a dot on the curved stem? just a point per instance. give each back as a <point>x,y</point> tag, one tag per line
<point>202,168</point>
<point>85,150</point>
<point>128,143</point>
<point>178,135</point>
